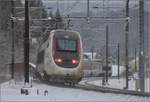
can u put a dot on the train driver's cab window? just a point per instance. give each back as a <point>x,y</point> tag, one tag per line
<point>66,45</point>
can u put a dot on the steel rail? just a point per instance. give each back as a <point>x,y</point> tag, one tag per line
<point>85,85</point>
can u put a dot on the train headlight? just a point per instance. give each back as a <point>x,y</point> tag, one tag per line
<point>74,61</point>
<point>58,60</point>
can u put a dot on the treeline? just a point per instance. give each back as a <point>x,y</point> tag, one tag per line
<point>37,27</point>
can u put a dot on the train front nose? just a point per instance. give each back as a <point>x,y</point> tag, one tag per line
<point>69,61</point>
<point>66,50</point>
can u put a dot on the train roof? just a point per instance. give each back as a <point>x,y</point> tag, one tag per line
<point>62,30</point>
<point>46,36</point>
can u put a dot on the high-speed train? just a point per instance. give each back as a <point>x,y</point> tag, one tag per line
<point>59,58</point>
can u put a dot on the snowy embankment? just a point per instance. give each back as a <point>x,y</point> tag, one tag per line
<point>121,83</point>
<point>12,92</point>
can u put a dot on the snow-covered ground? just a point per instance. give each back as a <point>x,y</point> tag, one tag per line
<point>9,92</point>
<point>121,83</point>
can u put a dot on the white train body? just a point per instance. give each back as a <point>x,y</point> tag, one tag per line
<point>60,57</point>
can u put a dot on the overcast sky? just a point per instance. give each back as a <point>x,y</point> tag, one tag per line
<point>68,6</point>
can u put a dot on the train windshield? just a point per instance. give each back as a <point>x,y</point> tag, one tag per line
<point>68,45</point>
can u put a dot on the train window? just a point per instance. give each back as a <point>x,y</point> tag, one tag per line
<point>66,45</point>
<point>47,45</point>
<point>40,58</point>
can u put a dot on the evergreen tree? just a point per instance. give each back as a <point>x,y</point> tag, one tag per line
<point>58,20</point>
<point>52,21</point>
<point>44,13</point>
<point>51,14</point>
<point>5,13</point>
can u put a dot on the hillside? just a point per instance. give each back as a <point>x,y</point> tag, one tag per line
<point>93,34</point>
<point>6,33</point>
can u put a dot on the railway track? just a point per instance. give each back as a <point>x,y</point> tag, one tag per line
<point>85,85</point>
